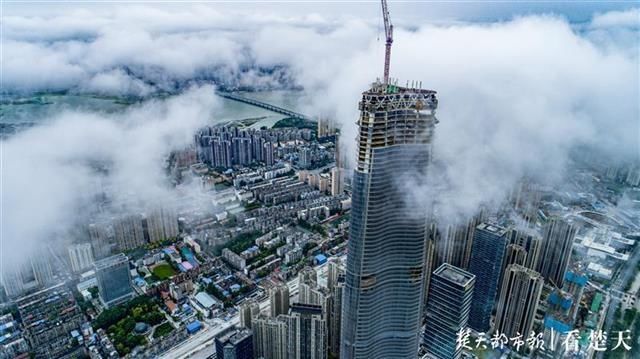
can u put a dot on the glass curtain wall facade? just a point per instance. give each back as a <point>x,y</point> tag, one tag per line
<point>489,246</point>
<point>447,310</point>
<point>385,274</point>
<point>114,280</point>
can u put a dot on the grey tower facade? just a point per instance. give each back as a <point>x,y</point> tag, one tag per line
<point>530,242</point>
<point>385,272</point>
<point>557,242</point>
<point>249,312</point>
<point>270,338</point>
<point>487,255</point>
<point>279,299</point>
<point>447,310</point>
<point>518,300</point>
<point>454,243</point>
<point>307,332</point>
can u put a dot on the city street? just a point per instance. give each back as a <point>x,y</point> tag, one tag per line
<point>200,345</point>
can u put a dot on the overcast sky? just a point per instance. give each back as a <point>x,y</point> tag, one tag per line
<point>407,12</point>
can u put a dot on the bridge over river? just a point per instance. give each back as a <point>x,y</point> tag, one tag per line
<point>266,106</point>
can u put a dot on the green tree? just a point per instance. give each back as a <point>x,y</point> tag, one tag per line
<point>94,292</point>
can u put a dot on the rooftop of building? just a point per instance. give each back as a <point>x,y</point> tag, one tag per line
<point>518,267</point>
<point>492,228</point>
<point>205,300</point>
<point>393,88</point>
<point>235,336</point>
<point>111,261</point>
<point>306,308</point>
<point>454,274</point>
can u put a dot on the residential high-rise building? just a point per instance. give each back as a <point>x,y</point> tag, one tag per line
<point>308,290</point>
<point>236,344</point>
<point>267,152</point>
<point>81,256</point>
<point>242,152</point>
<point>487,255</point>
<point>447,310</point>
<point>454,244</point>
<point>323,183</point>
<point>335,288</point>
<point>114,280</point>
<point>162,223</point>
<point>557,243</point>
<point>170,222</point>
<point>270,338</point>
<point>336,181</point>
<point>258,143</point>
<point>326,127</point>
<point>309,293</point>
<point>12,280</point>
<point>129,232</point>
<point>513,254</point>
<point>530,242</point>
<point>305,157</point>
<point>27,276</point>
<point>279,298</point>
<point>518,301</point>
<point>99,240</point>
<point>335,268</point>
<point>249,311</point>
<point>307,332</point>
<point>525,199</point>
<point>384,289</point>
<point>41,265</point>
<point>312,294</point>
<point>338,172</point>
<point>335,322</point>
<point>308,275</point>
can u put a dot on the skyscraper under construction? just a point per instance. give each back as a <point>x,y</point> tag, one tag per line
<point>386,262</point>
<point>383,292</point>
<point>386,254</point>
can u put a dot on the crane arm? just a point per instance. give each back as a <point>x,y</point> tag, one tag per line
<point>388,31</point>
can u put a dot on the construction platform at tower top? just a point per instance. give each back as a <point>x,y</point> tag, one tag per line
<point>392,115</point>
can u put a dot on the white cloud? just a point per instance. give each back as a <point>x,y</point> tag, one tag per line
<point>628,18</point>
<point>49,171</point>
<point>515,96</point>
<point>116,83</point>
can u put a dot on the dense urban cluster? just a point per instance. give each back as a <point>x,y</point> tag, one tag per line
<point>259,268</point>
<point>142,282</point>
<point>272,250</point>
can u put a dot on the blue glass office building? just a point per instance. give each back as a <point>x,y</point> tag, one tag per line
<point>114,280</point>
<point>447,310</point>
<point>385,273</point>
<point>487,254</point>
<point>236,344</point>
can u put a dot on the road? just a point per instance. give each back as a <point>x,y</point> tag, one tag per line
<point>626,274</point>
<point>199,345</point>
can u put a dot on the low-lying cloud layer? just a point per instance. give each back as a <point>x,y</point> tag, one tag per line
<point>52,173</point>
<point>515,96</point>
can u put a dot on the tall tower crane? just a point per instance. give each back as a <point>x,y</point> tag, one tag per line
<point>388,31</point>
